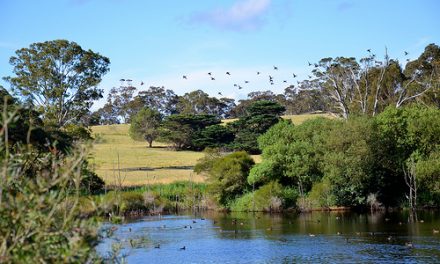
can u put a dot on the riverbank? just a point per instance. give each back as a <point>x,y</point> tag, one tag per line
<point>148,200</point>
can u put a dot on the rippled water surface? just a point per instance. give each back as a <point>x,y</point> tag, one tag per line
<point>318,237</point>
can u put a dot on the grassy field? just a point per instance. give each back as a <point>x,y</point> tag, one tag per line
<point>119,159</point>
<point>138,164</point>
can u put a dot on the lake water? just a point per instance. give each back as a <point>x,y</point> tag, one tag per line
<point>318,237</point>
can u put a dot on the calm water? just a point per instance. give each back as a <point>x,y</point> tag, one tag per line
<point>262,238</point>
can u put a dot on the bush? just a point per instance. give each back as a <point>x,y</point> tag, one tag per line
<point>228,176</point>
<point>40,220</point>
<point>321,195</point>
<point>269,197</point>
<point>131,201</point>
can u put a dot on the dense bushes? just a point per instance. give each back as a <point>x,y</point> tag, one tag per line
<point>342,162</point>
<point>388,160</point>
<point>227,175</point>
<point>40,220</point>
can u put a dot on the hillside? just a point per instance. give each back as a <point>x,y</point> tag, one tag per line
<point>141,165</point>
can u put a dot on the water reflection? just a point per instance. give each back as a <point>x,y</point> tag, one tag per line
<point>335,237</point>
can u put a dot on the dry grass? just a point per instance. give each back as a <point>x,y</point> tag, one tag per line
<point>298,119</point>
<point>140,165</point>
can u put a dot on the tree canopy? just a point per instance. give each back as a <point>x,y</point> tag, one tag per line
<point>58,78</point>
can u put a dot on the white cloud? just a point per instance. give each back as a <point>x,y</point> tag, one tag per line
<point>242,15</point>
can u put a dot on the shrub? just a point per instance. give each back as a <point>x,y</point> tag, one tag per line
<point>228,176</point>
<point>40,220</point>
<point>269,197</point>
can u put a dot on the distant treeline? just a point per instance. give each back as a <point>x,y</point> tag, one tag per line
<point>342,85</point>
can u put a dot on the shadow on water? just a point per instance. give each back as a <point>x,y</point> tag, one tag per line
<point>324,237</point>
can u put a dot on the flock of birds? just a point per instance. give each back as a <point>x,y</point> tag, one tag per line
<point>239,85</point>
<point>244,82</point>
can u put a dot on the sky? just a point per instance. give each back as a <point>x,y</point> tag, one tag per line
<point>157,42</point>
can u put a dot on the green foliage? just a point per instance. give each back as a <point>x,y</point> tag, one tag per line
<point>40,220</point>
<point>159,99</point>
<point>181,130</point>
<point>145,125</point>
<point>58,78</point>
<point>78,132</point>
<point>401,133</point>
<point>333,162</point>
<point>321,194</point>
<point>292,154</point>
<point>199,103</point>
<point>227,176</point>
<point>269,197</point>
<point>259,117</point>
<point>205,164</point>
<point>428,173</point>
<point>214,136</point>
<point>349,160</point>
<point>154,198</point>
<point>120,100</point>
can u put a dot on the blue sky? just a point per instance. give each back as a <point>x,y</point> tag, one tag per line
<point>156,42</point>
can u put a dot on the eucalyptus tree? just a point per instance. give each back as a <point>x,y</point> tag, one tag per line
<point>58,78</point>
<point>368,86</point>
<point>160,99</point>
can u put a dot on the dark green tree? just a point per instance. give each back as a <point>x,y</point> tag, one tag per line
<point>259,117</point>
<point>58,78</point>
<point>215,136</point>
<point>181,130</point>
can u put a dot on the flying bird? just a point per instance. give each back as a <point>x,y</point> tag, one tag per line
<point>246,81</point>
<point>209,73</point>
<point>369,50</point>
<point>235,85</point>
<point>239,87</point>
<point>122,80</point>
<point>310,77</point>
<point>184,77</point>
<point>294,75</point>
<point>258,73</point>
<point>142,83</point>
<point>316,65</point>
<point>275,68</point>
<point>284,81</point>
<point>219,93</point>
<point>227,73</point>
<point>406,53</point>
<point>309,63</point>
<point>212,79</point>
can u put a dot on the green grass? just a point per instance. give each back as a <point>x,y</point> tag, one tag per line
<point>140,165</point>
<point>157,198</point>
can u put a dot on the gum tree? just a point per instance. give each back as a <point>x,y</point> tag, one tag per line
<point>58,78</point>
